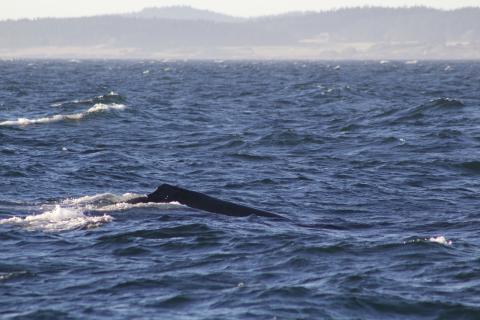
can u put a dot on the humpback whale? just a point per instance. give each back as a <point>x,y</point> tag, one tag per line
<point>167,193</point>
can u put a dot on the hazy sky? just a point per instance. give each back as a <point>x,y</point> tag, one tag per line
<point>14,9</point>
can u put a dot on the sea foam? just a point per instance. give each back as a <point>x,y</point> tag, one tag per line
<point>99,107</point>
<point>112,202</point>
<point>436,239</point>
<point>100,198</point>
<point>69,214</point>
<point>440,240</point>
<point>58,219</point>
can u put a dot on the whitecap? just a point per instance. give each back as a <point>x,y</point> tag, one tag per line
<point>436,239</point>
<point>58,219</point>
<point>99,107</point>
<point>106,107</point>
<point>440,240</point>
<point>411,62</point>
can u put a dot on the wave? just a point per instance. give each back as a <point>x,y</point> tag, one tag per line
<point>111,97</point>
<point>250,156</point>
<point>99,199</point>
<point>69,214</point>
<point>438,105</point>
<point>99,107</point>
<point>289,138</point>
<point>58,219</point>
<point>436,239</point>
<point>434,106</point>
<point>188,230</point>
<point>446,103</point>
<point>440,240</point>
<point>11,275</point>
<point>111,202</point>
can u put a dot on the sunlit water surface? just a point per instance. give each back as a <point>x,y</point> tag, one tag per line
<point>376,165</point>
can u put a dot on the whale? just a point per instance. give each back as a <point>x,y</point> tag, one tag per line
<point>166,193</point>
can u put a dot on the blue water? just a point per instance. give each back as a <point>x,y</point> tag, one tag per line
<point>376,166</point>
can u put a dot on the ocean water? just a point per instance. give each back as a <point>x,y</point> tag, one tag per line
<point>375,164</point>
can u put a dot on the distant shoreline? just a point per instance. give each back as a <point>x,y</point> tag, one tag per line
<point>234,16</point>
<point>184,33</point>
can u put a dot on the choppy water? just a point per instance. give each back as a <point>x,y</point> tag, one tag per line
<point>377,166</point>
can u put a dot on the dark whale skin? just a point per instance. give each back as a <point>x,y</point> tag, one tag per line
<point>167,193</point>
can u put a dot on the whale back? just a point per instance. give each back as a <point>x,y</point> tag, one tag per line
<point>166,193</point>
